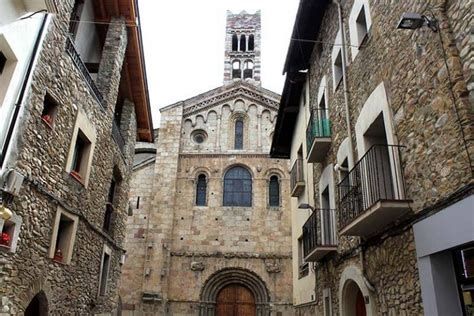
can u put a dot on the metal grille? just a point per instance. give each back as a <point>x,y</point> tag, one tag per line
<point>319,126</point>
<point>296,174</point>
<point>377,176</point>
<point>319,230</point>
<point>76,58</point>
<point>117,136</point>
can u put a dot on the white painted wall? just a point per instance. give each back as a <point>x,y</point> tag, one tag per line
<point>302,288</point>
<point>17,41</point>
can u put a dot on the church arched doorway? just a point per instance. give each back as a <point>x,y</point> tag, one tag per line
<point>235,300</point>
<point>234,291</point>
<point>38,305</point>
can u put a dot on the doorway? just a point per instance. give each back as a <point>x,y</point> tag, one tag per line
<point>235,300</point>
<point>38,305</point>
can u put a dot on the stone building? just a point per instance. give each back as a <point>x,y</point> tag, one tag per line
<point>73,101</point>
<point>210,232</point>
<point>376,120</point>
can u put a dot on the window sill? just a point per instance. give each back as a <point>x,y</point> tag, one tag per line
<point>60,262</point>
<point>76,176</point>
<point>274,208</point>
<point>6,248</point>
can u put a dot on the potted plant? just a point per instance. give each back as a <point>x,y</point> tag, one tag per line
<point>5,239</point>
<point>47,119</point>
<point>58,255</point>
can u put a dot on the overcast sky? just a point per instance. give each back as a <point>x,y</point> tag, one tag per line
<point>184,45</point>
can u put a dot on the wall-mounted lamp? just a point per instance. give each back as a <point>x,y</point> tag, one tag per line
<point>5,213</point>
<point>413,21</point>
<point>305,206</point>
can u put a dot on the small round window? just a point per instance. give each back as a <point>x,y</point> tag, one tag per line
<point>199,136</point>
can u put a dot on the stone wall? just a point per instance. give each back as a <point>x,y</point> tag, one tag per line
<point>41,156</point>
<point>411,66</point>
<point>185,244</point>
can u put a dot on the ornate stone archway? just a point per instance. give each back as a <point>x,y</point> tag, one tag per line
<point>222,278</point>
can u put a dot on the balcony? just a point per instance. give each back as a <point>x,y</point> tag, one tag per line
<point>372,195</point>
<point>319,235</point>
<point>318,136</point>
<point>297,178</point>
<point>117,136</point>
<point>76,58</point>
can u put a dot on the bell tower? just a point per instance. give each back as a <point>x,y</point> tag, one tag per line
<point>242,47</point>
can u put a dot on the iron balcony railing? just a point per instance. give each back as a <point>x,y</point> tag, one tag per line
<point>76,58</point>
<point>296,175</point>
<point>319,126</point>
<point>377,176</point>
<point>117,136</point>
<point>319,230</point>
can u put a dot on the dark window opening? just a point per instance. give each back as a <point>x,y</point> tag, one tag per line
<point>93,68</point>
<point>251,43</point>
<point>236,71</point>
<point>248,71</point>
<point>80,156</point>
<point>201,190</point>
<point>338,69</point>
<point>239,134</point>
<point>109,211</point>
<point>138,202</point>
<point>3,62</point>
<point>464,268</point>
<point>274,191</point>
<point>75,17</point>
<point>361,24</point>
<point>235,42</point>
<point>111,194</point>
<point>63,238</point>
<point>50,108</point>
<point>238,187</point>
<point>105,274</point>
<point>243,43</point>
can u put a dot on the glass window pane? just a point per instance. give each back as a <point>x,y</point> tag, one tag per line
<point>237,187</point>
<point>274,191</point>
<point>239,134</point>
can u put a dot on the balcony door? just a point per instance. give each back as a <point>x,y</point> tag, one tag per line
<point>327,219</point>
<point>235,300</point>
<point>376,171</point>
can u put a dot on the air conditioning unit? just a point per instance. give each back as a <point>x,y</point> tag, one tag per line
<point>12,182</point>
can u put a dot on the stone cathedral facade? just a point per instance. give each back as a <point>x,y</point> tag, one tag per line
<point>210,232</point>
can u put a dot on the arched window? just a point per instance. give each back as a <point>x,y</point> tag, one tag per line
<point>201,190</point>
<point>243,43</point>
<point>251,42</point>
<point>235,42</point>
<point>274,191</point>
<point>236,72</point>
<point>239,134</point>
<point>238,187</point>
<point>248,69</point>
